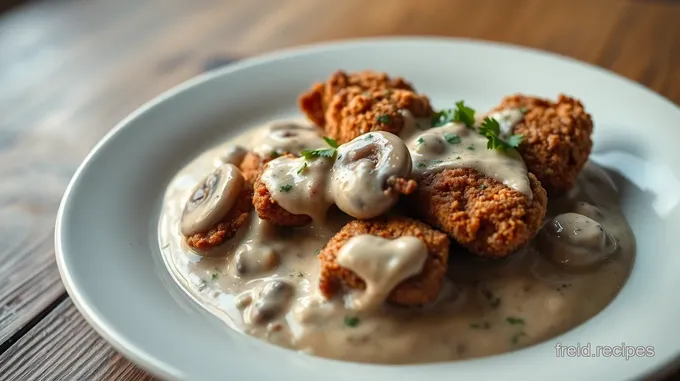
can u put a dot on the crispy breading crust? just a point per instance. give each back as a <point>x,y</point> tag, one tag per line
<point>415,291</point>
<point>315,101</point>
<point>352,113</point>
<point>557,139</point>
<point>230,224</point>
<point>481,214</point>
<point>267,209</point>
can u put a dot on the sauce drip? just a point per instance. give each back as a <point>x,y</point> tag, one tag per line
<point>382,264</point>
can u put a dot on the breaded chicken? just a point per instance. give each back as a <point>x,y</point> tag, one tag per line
<point>556,141</point>
<point>481,214</point>
<point>252,165</point>
<point>352,113</point>
<point>415,291</point>
<point>267,209</point>
<point>229,225</point>
<point>315,101</point>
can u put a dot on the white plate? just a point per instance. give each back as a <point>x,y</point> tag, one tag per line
<point>106,237</point>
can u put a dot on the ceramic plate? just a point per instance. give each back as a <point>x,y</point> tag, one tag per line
<point>106,231</point>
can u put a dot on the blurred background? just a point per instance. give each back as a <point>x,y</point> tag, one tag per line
<point>71,69</point>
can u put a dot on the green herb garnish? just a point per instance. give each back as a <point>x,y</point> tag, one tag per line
<point>420,165</point>
<point>452,138</point>
<point>368,137</point>
<point>514,320</point>
<point>436,161</point>
<point>274,154</point>
<point>420,141</point>
<point>460,114</point>
<point>482,186</point>
<point>471,147</point>
<point>385,119</point>
<point>351,321</point>
<point>215,276</point>
<point>286,188</point>
<point>322,152</point>
<point>302,169</point>
<point>331,142</point>
<point>492,130</point>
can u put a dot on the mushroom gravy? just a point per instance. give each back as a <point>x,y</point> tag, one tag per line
<point>263,281</point>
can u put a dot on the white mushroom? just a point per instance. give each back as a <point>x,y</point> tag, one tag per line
<point>233,155</point>
<point>212,199</point>
<point>576,241</point>
<point>362,171</point>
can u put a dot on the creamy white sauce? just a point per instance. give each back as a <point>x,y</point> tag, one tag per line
<point>382,264</point>
<point>457,146</point>
<point>486,306</point>
<point>300,186</point>
<point>356,181</point>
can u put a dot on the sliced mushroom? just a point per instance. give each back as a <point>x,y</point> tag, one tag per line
<point>233,155</point>
<point>212,199</point>
<point>363,170</point>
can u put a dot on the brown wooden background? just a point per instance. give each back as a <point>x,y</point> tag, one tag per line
<point>69,70</point>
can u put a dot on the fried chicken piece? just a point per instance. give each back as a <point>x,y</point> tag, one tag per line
<point>268,209</point>
<point>418,290</point>
<point>315,101</point>
<point>480,213</point>
<point>556,141</point>
<point>228,226</point>
<point>352,113</point>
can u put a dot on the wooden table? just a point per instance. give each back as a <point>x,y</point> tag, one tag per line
<point>69,70</point>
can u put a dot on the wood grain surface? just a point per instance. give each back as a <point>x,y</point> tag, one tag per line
<point>69,70</point>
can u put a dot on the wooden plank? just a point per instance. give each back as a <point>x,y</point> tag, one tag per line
<point>64,347</point>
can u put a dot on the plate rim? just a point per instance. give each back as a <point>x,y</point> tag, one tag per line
<point>161,369</point>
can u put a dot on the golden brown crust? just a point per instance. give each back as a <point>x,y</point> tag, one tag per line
<point>230,224</point>
<point>267,209</point>
<point>352,113</point>
<point>481,214</point>
<point>418,290</point>
<point>315,101</point>
<point>402,185</point>
<point>557,139</point>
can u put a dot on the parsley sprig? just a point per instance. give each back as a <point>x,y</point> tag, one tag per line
<point>322,152</point>
<point>492,130</point>
<point>460,114</point>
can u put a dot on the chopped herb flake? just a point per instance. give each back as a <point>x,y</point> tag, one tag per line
<point>331,142</point>
<point>302,169</point>
<point>436,161</point>
<point>420,165</point>
<point>369,137</point>
<point>311,154</point>
<point>471,147</point>
<point>457,157</point>
<point>514,320</point>
<point>286,188</point>
<point>215,276</point>
<point>385,119</point>
<point>452,138</point>
<point>484,325</point>
<point>420,141</point>
<point>351,321</point>
<point>492,130</point>
<point>274,154</point>
<point>482,186</point>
